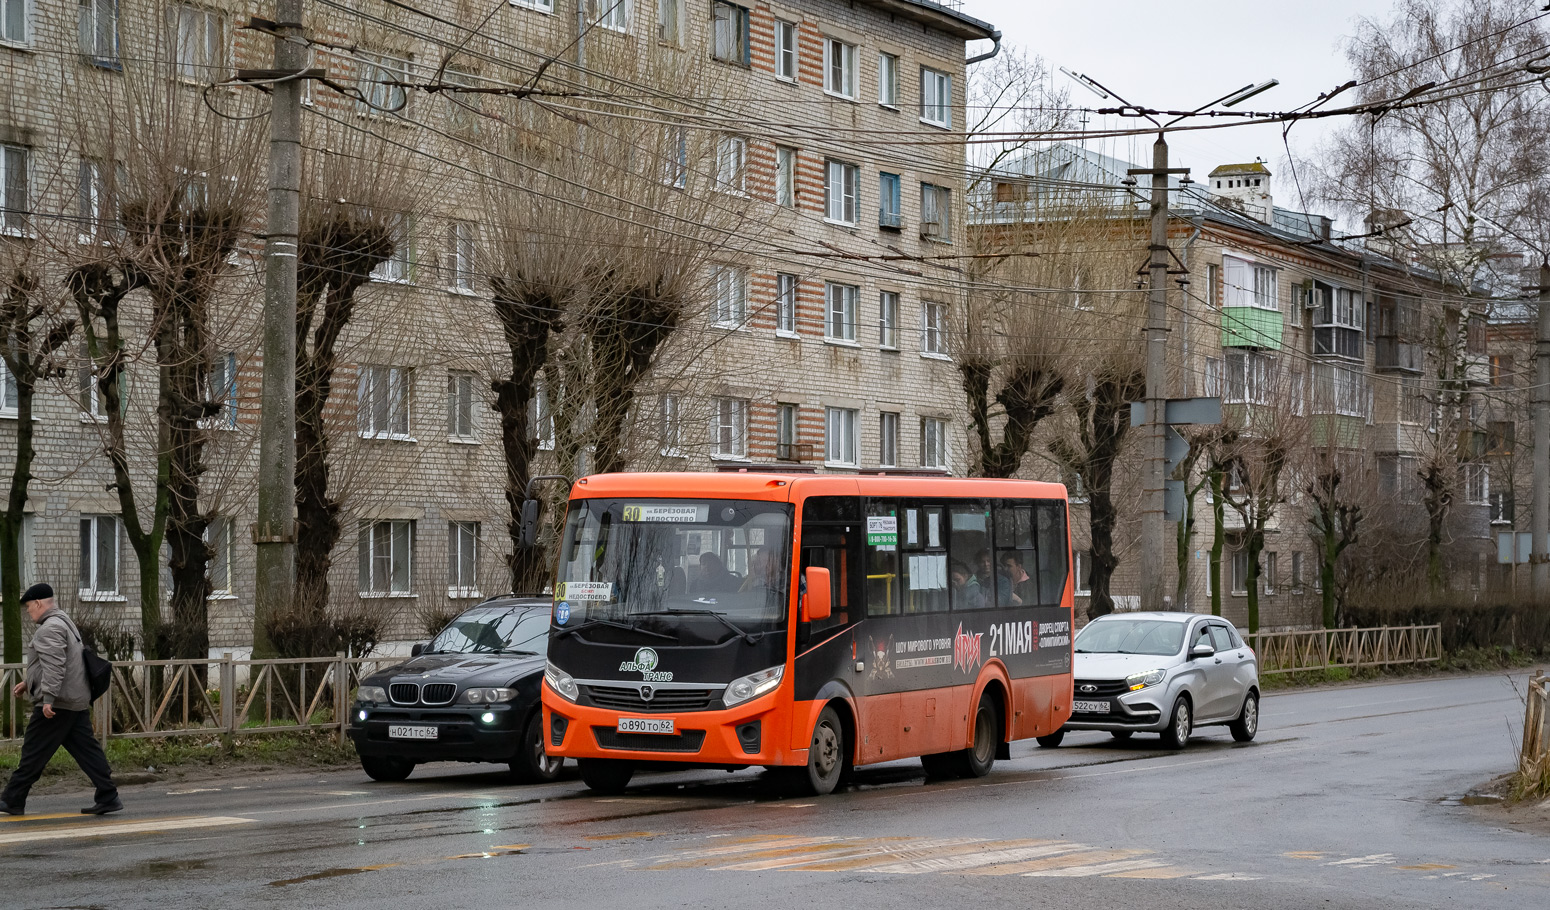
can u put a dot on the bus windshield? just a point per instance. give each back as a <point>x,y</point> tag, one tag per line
<point>701,571</point>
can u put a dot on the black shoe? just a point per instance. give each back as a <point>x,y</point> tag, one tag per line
<point>103,808</point>
<point>11,810</point>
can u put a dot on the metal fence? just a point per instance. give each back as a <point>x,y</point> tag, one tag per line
<point>1323,649</point>
<point>1536,729</point>
<point>157,698</point>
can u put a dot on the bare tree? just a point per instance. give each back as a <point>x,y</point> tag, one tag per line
<point>1334,524</point>
<point>1260,463</point>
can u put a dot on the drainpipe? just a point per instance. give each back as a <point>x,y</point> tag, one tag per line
<point>995,49</point>
<point>1189,245</point>
<point>581,35</point>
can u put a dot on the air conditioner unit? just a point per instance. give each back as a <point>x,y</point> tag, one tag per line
<point>930,228</point>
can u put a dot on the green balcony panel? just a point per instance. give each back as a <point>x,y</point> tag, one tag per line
<point>1251,327</point>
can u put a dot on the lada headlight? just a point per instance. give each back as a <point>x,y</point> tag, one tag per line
<point>561,682</point>
<point>752,686</point>
<point>1139,681</point>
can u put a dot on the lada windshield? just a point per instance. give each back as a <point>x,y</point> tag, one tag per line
<point>1131,636</point>
<point>695,570</point>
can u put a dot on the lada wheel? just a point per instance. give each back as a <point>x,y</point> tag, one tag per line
<point>1247,724</point>
<point>1176,736</point>
<point>606,775</point>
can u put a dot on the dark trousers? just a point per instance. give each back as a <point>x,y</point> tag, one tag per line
<point>71,729</point>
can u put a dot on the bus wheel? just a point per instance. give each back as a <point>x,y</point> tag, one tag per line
<point>826,754</point>
<point>940,765</point>
<point>606,775</point>
<point>979,757</point>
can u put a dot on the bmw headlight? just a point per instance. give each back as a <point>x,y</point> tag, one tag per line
<point>487,696</point>
<point>753,685</point>
<point>561,682</point>
<point>375,694</point>
<point>1138,681</point>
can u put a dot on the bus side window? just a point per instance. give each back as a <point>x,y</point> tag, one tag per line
<point>970,536</point>
<point>882,557</point>
<point>1016,556</point>
<point>1053,547</point>
<point>832,532</point>
<point>925,560</point>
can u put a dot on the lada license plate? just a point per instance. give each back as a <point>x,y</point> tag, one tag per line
<point>1089,707</point>
<point>405,731</point>
<point>646,725</point>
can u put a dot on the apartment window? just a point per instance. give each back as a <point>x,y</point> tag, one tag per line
<point>841,192</point>
<point>460,255</point>
<point>933,442</point>
<point>840,437</point>
<point>672,429</point>
<point>540,415</point>
<point>728,428</point>
<point>785,50</point>
<point>936,97</point>
<point>841,308</point>
<point>1339,389</point>
<point>933,327</point>
<point>1477,483</point>
<point>196,41</point>
<point>786,433</point>
<point>378,73</point>
<point>99,557</point>
<point>614,14</point>
<point>669,21</point>
<point>889,212</point>
<point>888,79</point>
<point>1240,572</point>
<point>8,393</point>
<point>15,189</point>
<point>785,177</point>
<point>14,21</point>
<point>1503,509</point>
<point>786,303</point>
<point>1213,377</point>
<point>221,539</point>
<point>1249,284</point>
<point>731,152</point>
<point>1249,378</point>
<point>460,406</point>
<point>731,290</point>
<point>1081,562</point>
<point>1270,571</point>
<point>386,558</point>
<point>1501,371</point>
<point>1338,323</point>
<point>221,390</point>
<point>96,219</point>
<point>544,6</point>
<point>888,439</point>
<point>395,268</point>
<point>729,27</point>
<point>1297,571</point>
<point>888,320</point>
<point>936,212</point>
<point>463,559</point>
<point>97,27</point>
<point>382,402</point>
<point>28,557</point>
<point>839,68</point>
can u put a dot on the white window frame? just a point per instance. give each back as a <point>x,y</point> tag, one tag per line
<point>396,268</point>
<point>383,547</point>
<point>839,320</point>
<point>462,414</point>
<point>730,288</point>
<point>841,447</point>
<point>933,442</point>
<point>785,176</point>
<point>888,439</point>
<point>729,48</point>
<point>1238,572</point>
<point>888,320</point>
<point>9,397</point>
<point>221,385</point>
<point>15,189</point>
<point>787,429</point>
<point>786,288</point>
<point>7,38</point>
<point>1081,575</point>
<point>1271,559</point>
<point>540,415</point>
<point>461,255</point>
<point>841,192</point>
<point>96,25</point>
<point>220,537</point>
<point>1246,283</point>
<point>1341,388</point>
<point>786,43</point>
<point>888,80</point>
<point>383,388</point>
<point>731,158</point>
<point>542,6</point>
<point>197,58</point>
<point>97,586</point>
<point>1297,579</point>
<point>933,328</point>
<point>729,429</point>
<point>1477,483</point>
<point>936,98</point>
<point>936,208</point>
<point>890,200</point>
<point>463,560</point>
<point>1249,377</point>
<point>670,22</point>
<point>670,411</point>
<point>839,68</point>
<point>377,69</point>
<point>613,15</point>
<point>89,202</point>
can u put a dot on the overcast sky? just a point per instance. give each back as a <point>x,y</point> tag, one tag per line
<point>1210,47</point>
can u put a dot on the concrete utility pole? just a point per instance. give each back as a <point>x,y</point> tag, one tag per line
<point>275,532</point>
<point>1153,525</point>
<point>1539,554</point>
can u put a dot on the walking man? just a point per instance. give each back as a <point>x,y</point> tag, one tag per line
<point>61,714</point>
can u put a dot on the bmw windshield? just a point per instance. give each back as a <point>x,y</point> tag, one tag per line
<point>692,571</point>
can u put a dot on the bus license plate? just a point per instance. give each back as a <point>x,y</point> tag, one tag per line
<point>646,725</point>
<point>402,731</point>
<point>1090,707</point>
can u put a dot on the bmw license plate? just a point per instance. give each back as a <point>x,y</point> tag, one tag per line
<point>646,725</point>
<point>405,731</point>
<point>1089,707</point>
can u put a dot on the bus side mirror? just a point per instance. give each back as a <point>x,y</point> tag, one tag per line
<point>815,605</point>
<point>529,526</point>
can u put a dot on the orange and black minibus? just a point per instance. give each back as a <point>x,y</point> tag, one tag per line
<point>807,623</point>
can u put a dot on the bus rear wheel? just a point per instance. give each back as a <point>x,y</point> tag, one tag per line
<point>606,775</point>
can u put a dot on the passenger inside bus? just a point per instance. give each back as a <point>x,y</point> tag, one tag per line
<point>966,588</point>
<point>714,577</point>
<point>1021,585</point>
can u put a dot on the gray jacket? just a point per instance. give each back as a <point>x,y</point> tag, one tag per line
<point>56,672</point>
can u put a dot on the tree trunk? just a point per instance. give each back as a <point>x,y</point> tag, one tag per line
<point>1110,409</point>
<point>1256,545</point>
<point>12,518</point>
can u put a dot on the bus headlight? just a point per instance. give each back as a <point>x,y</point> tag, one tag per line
<point>752,686</point>
<point>1138,681</point>
<point>561,682</point>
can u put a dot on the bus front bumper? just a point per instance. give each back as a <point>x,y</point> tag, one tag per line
<point>755,733</point>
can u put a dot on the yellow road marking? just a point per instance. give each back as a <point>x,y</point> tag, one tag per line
<point>65,832</point>
<point>1057,862</point>
<point>702,858</point>
<point>624,836</point>
<point>1005,853</point>
<point>511,846</point>
<point>38,818</point>
<point>1129,865</point>
<point>855,854</point>
<point>1429,867</point>
<point>1305,854</point>
<point>1159,872</point>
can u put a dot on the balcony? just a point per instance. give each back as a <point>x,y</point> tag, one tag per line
<point>794,451</point>
<point>1251,327</point>
<point>1396,356</point>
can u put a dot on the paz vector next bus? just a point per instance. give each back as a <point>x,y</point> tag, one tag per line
<point>806,623</point>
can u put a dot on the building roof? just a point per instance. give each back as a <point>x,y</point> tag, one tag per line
<point>1253,167</point>
<point>944,15</point>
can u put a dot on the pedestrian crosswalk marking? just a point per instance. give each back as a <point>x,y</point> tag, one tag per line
<point>38,818</point>
<point>95,828</point>
<point>1062,861</point>
<point>1129,865</point>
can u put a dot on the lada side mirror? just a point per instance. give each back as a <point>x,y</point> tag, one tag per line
<point>815,604</point>
<point>1201,651</point>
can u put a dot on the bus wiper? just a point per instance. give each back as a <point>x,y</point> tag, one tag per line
<point>749,637</point>
<point>628,627</point>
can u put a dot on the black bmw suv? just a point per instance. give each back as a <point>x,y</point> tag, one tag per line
<point>470,694</point>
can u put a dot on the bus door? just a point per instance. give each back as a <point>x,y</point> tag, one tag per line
<point>831,538</point>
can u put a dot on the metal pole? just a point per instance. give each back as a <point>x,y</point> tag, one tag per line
<point>274,533</point>
<point>1540,549</point>
<point>1153,526</point>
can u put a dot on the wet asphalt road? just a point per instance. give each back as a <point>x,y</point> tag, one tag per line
<point>1347,799</point>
